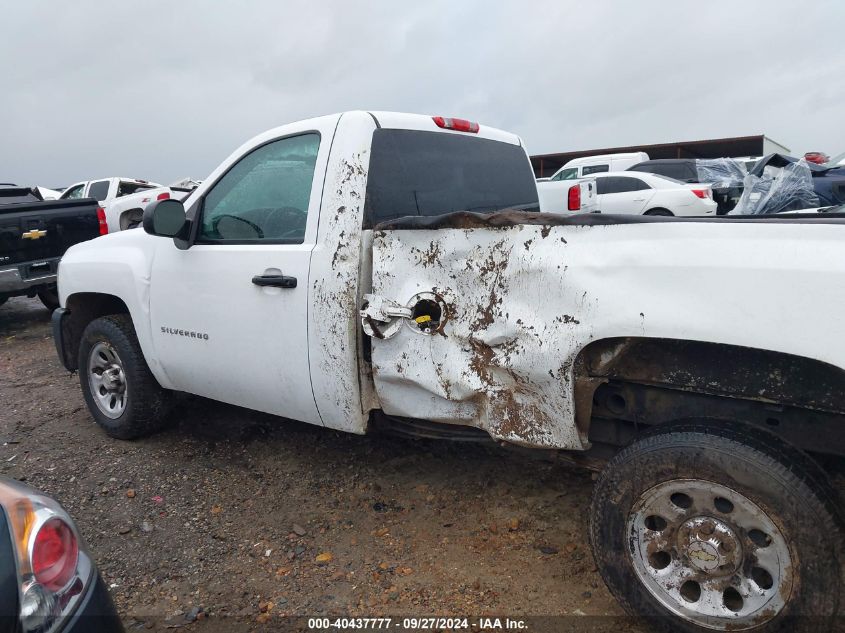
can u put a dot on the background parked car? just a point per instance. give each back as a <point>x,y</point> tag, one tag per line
<point>725,175</point>
<point>48,580</point>
<point>588,165</point>
<point>634,193</point>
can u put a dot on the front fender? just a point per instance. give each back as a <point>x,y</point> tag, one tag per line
<point>118,265</point>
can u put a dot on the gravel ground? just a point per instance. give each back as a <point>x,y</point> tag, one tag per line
<point>235,513</point>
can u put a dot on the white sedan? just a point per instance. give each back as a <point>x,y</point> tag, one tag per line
<point>636,193</point>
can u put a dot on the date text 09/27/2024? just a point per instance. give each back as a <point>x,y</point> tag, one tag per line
<point>418,624</point>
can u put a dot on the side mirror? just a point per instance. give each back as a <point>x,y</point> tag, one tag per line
<point>166,218</point>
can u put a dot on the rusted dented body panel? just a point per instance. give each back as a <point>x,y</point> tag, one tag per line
<point>524,298</point>
<point>336,261</point>
<point>501,361</point>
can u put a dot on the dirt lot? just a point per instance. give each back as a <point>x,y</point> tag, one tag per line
<point>231,512</point>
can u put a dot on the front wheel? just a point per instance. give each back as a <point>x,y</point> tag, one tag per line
<point>122,395</point>
<point>720,527</point>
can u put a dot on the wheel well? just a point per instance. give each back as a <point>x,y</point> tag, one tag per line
<point>658,211</point>
<point>625,385</point>
<point>83,308</point>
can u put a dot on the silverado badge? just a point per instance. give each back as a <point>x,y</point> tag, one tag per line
<point>34,234</point>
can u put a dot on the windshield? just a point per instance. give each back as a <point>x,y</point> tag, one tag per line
<point>420,173</point>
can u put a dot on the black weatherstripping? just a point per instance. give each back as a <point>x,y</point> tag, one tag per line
<point>276,281</point>
<point>512,217</point>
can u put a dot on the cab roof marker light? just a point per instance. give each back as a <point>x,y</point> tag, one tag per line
<point>458,125</point>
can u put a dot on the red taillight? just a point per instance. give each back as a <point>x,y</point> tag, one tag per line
<point>702,193</point>
<point>101,218</point>
<point>163,196</point>
<point>573,202</point>
<point>459,125</point>
<point>55,552</point>
<point>819,158</point>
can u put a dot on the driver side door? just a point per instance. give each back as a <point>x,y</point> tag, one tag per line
<point>229,314</point>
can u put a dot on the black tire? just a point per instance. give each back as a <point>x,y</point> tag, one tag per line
<point>658,211</point>
<point>786,484</point>
<point>147,403</point>
<point>3,300</point>
<point>49,297</point>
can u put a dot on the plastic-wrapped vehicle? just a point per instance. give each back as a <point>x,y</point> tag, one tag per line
<point>779,183</point>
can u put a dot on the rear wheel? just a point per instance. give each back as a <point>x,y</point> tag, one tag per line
<point>721,528</point>
<point>121,393</point>
<point>658,212</point>
<point>49,297</point>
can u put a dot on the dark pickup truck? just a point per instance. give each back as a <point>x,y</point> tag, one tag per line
<point>34,234</point>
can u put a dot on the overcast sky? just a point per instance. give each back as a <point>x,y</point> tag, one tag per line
<point>162,89</point>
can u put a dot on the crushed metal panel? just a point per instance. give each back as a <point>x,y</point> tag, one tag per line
<point>336,261</point>
<point>526,293</point>
<point>500,359</point>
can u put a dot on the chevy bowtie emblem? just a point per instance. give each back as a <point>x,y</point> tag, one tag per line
<point>704,557</point>
<point>34,234</point>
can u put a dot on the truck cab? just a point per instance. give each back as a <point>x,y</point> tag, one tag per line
<point>278,235</point>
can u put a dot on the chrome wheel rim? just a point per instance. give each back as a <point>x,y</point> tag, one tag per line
<point>107,380</point>
<point>709,554</point>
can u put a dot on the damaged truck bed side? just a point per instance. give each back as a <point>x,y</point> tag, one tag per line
<point>390,267</point>
<point>549,321</point>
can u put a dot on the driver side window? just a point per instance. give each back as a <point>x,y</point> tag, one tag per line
<point>264,196</point>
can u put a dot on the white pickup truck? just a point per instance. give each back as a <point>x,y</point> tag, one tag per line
<point>127,212</point>
<point>106,189</point>
<point>371,270</point>
<point>568,196</point>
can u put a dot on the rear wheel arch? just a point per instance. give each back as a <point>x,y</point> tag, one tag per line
<point>659,211</point>
<point>625,385</point>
